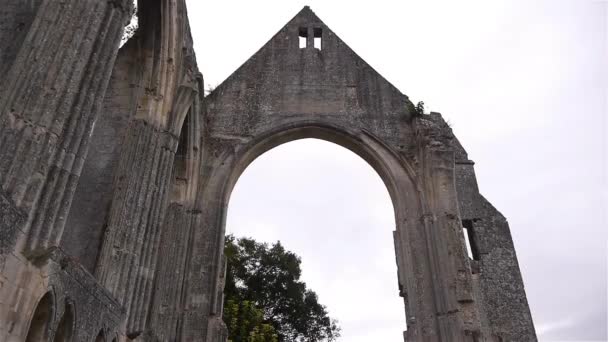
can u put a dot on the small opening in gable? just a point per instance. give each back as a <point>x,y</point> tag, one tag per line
<point>318,35</point>
<point>303,36</point>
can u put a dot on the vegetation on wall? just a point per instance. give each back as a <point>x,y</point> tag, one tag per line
<point>420,108</point>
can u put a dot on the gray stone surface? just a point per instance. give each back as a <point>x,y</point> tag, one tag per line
<point>16,17</point>
<point>145,211</point>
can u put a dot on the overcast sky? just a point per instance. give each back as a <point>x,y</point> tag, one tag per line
<point>523,84</point>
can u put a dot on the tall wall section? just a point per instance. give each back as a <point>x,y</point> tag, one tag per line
<point>94,265</point>
<point>56,60</point>
<point>136,199</point>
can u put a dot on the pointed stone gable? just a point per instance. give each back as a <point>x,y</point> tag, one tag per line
<point>305,69</point>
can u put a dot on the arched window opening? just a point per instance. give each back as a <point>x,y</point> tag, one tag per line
<point>65,329</point>
<point>331,208</point>
<point>180,163</point>
<point>39,325</point>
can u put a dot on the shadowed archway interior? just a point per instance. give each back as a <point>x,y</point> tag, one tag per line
<point>40,324</point>
<point>65,329</point>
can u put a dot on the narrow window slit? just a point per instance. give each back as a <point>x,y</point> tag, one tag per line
<point>303,36</point>
<point>318,34</point>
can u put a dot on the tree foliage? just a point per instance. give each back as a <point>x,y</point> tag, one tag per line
<point>245,323</point>
<point>267,278</point>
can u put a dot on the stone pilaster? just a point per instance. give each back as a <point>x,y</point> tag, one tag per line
<point>128,258</point>
<point>203,274</point>
<point>15,21</point>
<point>456,311</point>
<point>169,294</point>
<point>455,307</point>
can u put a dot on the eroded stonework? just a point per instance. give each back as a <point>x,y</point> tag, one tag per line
<point>116,172</point>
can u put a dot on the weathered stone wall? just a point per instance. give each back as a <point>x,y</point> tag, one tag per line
<point>56,58</point>
<point>505,307</point>
<point>282,83</point>
<point>88,216</point>
<point>16,17</point>
<point>68,282</point>
<point>158,70</point>
<point>504,311</point>
<point>50,99</point>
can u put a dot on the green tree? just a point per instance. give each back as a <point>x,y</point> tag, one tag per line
<point>267,278</point>
<point>245,323</point>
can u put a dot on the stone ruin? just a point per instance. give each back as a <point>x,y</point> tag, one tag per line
<point>116,171</point>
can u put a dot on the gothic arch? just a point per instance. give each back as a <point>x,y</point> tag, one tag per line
<point>186,163</point>
<point>364,144</point>
<point>396,173</point>
<point>40,323</point>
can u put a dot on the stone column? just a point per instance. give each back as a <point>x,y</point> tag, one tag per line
<point>127,264</point>
<point>15,21</point>
<point>49,102</point>
<point>203,281</point>
<point>127,261</point>
<point>169,294</point>
<point>455,309</point>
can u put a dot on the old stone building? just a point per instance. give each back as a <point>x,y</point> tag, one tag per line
<point>116,171</point>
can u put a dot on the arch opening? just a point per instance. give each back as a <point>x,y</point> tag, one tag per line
<point>314,195</point>
<point>367,147</point>
<point>41,320</point>
<point>101,337</point>
<point>65,329</point>
<point>185,162</point>
<point>180,170</point>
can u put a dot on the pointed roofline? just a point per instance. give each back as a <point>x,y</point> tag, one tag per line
<point>305,9</point>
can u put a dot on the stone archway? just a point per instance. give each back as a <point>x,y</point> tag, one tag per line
<point>326,204</point>
<point>402,182</point>
<point>394,174</point>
